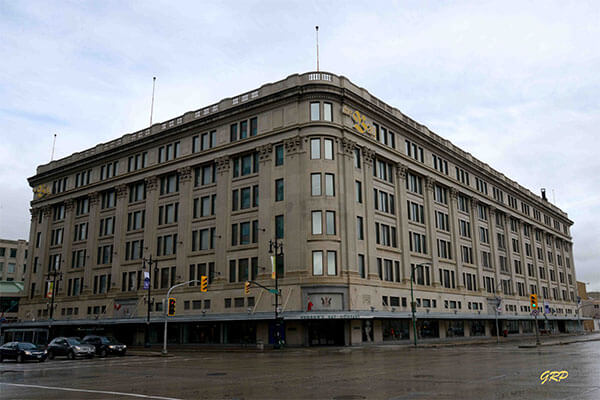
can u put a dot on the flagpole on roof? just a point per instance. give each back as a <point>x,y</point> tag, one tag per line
<point>317,29</point>
<point>53,146</point>
<point>152,104</point>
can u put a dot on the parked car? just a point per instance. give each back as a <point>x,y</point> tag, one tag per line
<point>70,347</point>
<point>22,351</point>
<point>105,345</point>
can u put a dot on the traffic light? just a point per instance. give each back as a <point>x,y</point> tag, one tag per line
<point>247,287</point>
<point>204,283</point>
<point>171,306</point>
<point>533,301</point>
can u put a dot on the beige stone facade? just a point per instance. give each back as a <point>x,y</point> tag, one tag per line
<point>358,193</point>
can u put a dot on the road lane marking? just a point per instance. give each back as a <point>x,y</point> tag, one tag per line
<point>89,391</point>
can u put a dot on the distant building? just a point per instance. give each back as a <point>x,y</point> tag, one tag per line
<point>359,194</point>
<point>13,258</point>
<point>589,307</point>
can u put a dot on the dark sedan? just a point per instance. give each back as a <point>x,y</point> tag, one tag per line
<point>22,351</point>
<point>105,345</point>
<point>70,347</point>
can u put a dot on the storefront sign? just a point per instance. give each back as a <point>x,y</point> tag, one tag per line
<point>330,316</point>
<point>360,122</point>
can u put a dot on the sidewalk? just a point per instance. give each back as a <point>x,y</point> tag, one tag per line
<point>521,341</point>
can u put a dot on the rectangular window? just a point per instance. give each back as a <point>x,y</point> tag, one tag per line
<point>328,144</point>
<point>315,149</point>
<point>359,228</point>
<point>279,190</point>
<point>327,112</point>
<point>279,155</point>
<point>317,262</point>
<point>315,114</point>
<point>279,232</point>
<point>317,223</point>
<point>331,263</point>
<point>361,266</point>
<point>315,184</point>
<point>330,222</point>
<point>329,185</point>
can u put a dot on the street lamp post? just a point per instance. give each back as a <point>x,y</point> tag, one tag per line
<point>166,316</point>
<point>150,262</point>
<point>413,305</point>
<point>56,278</point>
<point>276,248</point>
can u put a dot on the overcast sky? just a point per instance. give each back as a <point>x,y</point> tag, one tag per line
<point>516,84</point>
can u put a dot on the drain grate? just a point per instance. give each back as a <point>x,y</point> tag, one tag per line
<point>216,373</point>
<point>349,397</point>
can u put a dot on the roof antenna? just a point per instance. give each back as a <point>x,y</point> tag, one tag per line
<point>317,29</point>
<point>53,146</point>
<point>152,105</point>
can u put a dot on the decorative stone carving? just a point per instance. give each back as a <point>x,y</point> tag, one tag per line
<point>122,191</point>
<point>185,174</point>
<point>222,164</point>
<point>151,183</point>
<point>94,198</point>
<point>69,205</point>
<point>293,145</point>
<point>47,211</point>
<point>453,193</point>
<point>401,171</point>
<point>347,147</point>
<point>265,152</point>
<point>35,212</point>
<point>429,183</point>
<point>368,156</point>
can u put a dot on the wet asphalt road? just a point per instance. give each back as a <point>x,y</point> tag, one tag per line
<point>380,372</point>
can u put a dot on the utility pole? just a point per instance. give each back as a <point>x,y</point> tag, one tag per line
<point>149,288</point>
<point>413,305</point>
<point>276,249</point>
<point>56,278</point>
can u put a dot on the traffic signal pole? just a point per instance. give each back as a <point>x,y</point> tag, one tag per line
<point>164,349</point>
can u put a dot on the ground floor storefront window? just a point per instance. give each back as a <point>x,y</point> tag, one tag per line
<point>512,326</point>
<point>395,329</point>
<point>477,328</point>
<point>428,328</point>
<point>527,326</point>
<point>201,333</point>
<point>241,332</point>
<point>455,328</point>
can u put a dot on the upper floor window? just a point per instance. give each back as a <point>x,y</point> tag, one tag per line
<point>137,161</point>
<point>414,183</point>
<point>169,183</point>
<point>315,149</point>
<point>137,191</point>
<point>245,165</point>
<point>83,178</point>
<point>279,155</point>
<point>481,185</point>
<point>315,111</point>
<point>168,152</point>
<point>383,170</point>
<point>462,176</point>
<point>205,141</point>
<point>439,164</point>
<point>440,194</point>
<point>205,175</point>
<point>498,194</point>
<point>414,151</point>
<point>108,199</point>
<point>109,170</point>
<point>384,135</point>
<point>59,185</point>
<point>240,131</point>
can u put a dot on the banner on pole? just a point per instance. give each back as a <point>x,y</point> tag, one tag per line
<point>50,290</point>
<point>272,267</point>
<point>146,280</point>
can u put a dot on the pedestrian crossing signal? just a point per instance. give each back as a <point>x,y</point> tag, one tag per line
<point>247,287</point>
<point>533,301</point>
<point>171,306</point>
<point>204,283</point>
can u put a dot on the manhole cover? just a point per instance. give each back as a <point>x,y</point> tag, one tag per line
<point>423,376</point>
<point>216,373</point>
